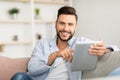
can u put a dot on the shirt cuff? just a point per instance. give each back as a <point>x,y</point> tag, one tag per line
<point>110,48</point>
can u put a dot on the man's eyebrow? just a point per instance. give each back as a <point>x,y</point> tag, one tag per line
<point>70,22</point>
<point>61,22</point>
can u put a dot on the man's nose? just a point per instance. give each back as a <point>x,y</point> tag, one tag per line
<point>66,27</point>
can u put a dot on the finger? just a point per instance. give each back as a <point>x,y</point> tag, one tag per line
<point>66,57</point>
<point>100,39</point>
<point>63,56</point>
<point>71,51</point>
<point>67,54</point>
<point>70,58</point>
<point>92,52</point>
<point>98,47</point>
<point>96,52</point>
<point>100,44</point>
<point>100,53</point>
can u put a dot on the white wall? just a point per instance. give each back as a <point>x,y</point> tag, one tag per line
<point>99,19</point>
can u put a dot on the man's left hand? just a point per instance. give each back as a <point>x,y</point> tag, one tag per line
<point>98,49</point>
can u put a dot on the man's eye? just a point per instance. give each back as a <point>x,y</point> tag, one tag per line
<point>70,24</point>
<point>61,23</point>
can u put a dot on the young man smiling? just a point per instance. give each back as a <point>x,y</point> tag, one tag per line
<point>51,58</point>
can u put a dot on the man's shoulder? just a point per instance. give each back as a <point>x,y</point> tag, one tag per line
<point>44,40</point>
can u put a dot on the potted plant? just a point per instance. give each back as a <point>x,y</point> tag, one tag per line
<point>37,12</point>
<point>13,12</point>
<point>15,38</point>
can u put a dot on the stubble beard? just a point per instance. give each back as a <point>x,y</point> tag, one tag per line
<point>71,35</point>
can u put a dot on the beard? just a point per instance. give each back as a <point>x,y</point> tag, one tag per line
<point>71,35</point>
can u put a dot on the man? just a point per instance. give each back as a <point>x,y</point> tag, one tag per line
<point>51,58</point>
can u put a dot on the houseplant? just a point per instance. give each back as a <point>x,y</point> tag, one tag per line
<point>13,12</point>
<point>37,12</point>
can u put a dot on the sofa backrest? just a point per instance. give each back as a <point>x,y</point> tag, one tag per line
<point>9,66</point>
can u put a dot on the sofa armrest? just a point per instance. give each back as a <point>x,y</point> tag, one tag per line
<point>105,65</point>
<point>9,66</point>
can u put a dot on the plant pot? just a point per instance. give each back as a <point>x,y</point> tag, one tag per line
<point>37,17</point>
<point>15,38</point>
<point>14,16</point>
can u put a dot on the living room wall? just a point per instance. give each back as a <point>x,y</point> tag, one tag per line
<point>99,19</point>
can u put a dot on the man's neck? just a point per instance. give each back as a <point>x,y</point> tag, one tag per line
<point>61,44</point>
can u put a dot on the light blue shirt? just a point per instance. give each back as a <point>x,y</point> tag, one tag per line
<point>37,66</point>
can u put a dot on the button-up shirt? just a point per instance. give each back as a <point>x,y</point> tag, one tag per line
<point>37,66</point>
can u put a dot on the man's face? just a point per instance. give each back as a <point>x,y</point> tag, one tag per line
<point>65,26</point>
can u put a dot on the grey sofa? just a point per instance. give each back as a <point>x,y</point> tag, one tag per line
<point>107,63</point>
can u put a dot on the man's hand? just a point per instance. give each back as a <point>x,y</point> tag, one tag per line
<point>98,49</point>
<point>66,54</point>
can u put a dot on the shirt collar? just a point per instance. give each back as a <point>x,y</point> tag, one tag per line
<point>70,42</point>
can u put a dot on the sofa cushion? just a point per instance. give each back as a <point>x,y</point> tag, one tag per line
<point>105,65</point>
<point>9,66</point>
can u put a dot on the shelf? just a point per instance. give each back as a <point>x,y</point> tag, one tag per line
<point>52,2</point>
<point>16,0</point>
<point>15,43</point>
<point>14,21</point>
<point>25,21</point>
<point>42,1</point>
<point>44,21</point>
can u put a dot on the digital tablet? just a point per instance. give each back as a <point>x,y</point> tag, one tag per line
<point>82,60</point>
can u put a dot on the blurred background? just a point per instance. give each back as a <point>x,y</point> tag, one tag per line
<point>23,22</point>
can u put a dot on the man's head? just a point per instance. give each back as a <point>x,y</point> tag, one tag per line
<point>66,23</point>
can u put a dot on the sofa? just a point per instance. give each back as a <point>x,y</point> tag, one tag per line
<point>9,66</point>
<point>106,63</point>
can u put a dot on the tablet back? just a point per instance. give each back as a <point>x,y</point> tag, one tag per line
<point>82,60</point>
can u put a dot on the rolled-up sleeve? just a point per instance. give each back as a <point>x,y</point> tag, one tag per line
<point>113,47</point>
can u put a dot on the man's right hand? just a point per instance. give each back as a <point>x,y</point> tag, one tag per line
<point>66,54</point>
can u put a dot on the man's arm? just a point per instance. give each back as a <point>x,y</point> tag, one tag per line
<point>37,64</point>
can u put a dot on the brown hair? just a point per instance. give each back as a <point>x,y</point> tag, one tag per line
<point>67,10</point>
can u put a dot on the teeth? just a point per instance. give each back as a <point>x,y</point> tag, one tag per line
<point>64,32</point>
